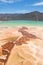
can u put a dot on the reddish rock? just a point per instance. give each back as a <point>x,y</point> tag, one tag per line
<point>23,28</point>
<point>25,33</point>
<point>8,46</point>
<point>22,40</point>
<point>6,49</point>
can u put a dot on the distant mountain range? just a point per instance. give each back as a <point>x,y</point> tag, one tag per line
<point>36,16</point>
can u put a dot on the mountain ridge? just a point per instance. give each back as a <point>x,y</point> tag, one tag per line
<point>35,16</point>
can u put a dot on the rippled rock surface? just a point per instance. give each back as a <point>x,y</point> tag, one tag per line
<point>21,46</point>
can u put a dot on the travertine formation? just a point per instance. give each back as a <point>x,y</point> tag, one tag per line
<point>20,47</point>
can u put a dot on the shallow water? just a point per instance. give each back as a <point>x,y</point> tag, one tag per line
<point>21,23</point>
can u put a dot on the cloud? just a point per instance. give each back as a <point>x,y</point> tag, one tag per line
<point>35,4</point>
<point>22,11</point>
<point>10,1</point>
<point>38,4</point>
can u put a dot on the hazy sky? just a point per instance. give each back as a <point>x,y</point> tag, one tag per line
<point>20,6</point>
